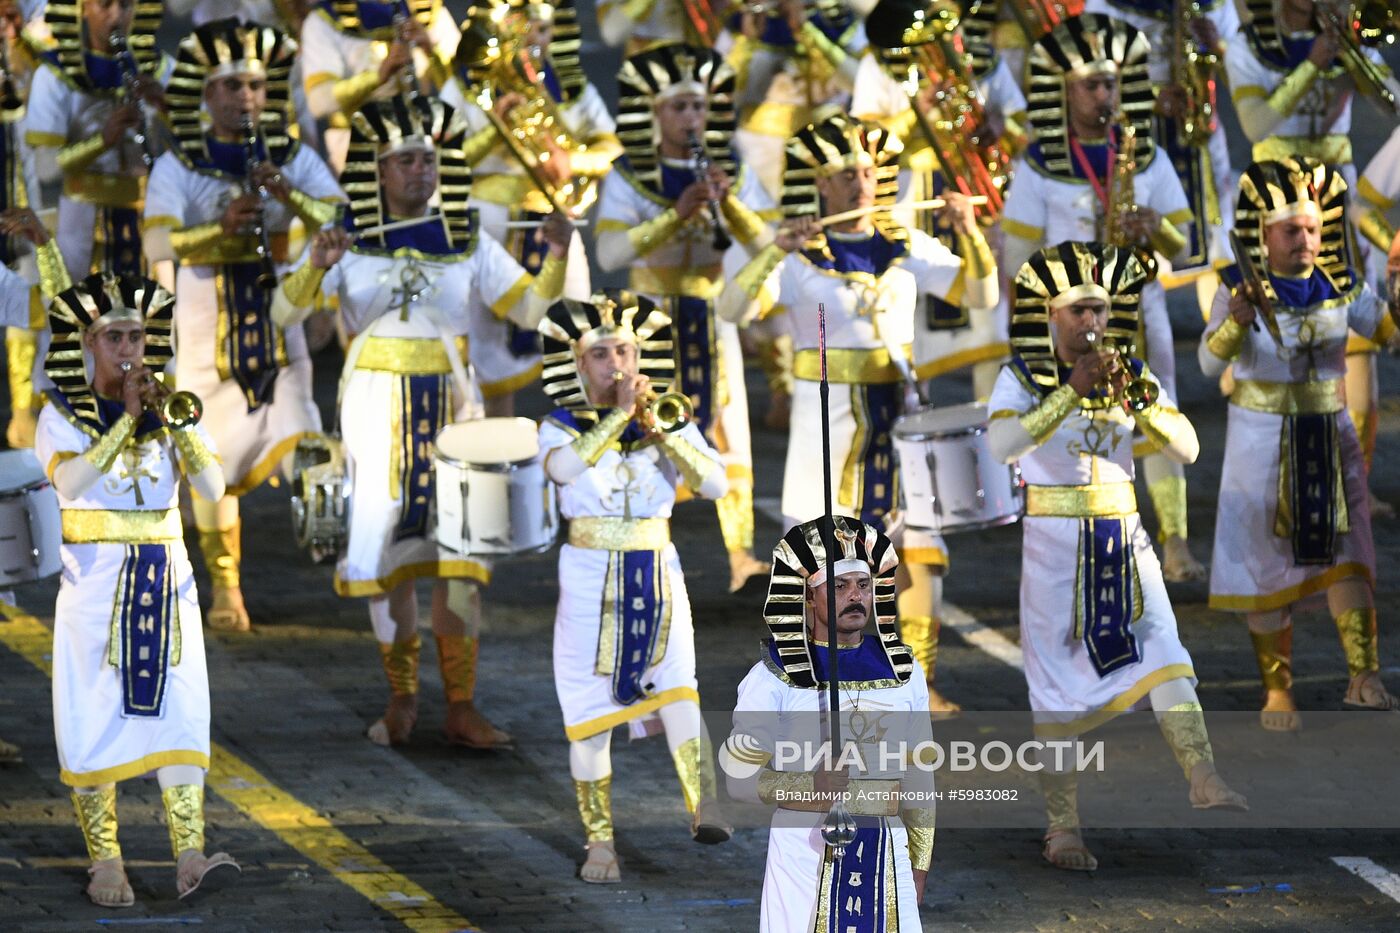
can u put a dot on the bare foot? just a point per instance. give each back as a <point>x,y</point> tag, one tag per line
<point>1179,565</point>
<point>204,873</point>
<point>708,826</point>
<point>107,884</point>
<point>779,414</point>
<point>1064,848</point>
<point>1379,507</point>
<point>601,866</point>
<point>1210,792</point>
<point>396,725</point>
<point>226,611</point>
<point>1279,713</point>
<point>941,706</point>
<point>467,726</point>
<point>1367,691</point>
<point>743,565</point>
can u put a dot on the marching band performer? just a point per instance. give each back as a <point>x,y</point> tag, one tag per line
<point>1089,92</point>
<point>505,357</point>
<point>205,214</point>
<point>406,269</point>
<point>90,124</point>
<point>879,881</point>
<point>670,227</point>
<point>869,272</point>
<point>624,646</point>
<point>638,25</point>
<point>1294,521</point>
<point>130,689</point>
<point>355,51</point>
<point>1066,408</point>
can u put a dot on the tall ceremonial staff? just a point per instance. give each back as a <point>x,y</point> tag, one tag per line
<point>837,829</point>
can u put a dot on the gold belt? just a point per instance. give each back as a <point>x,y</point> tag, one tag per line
<point>404,355</point>
<point>608,533</point>
<point>1289,398</point>
<point>105,190</point>
<point>236,249</point>
<point>868,797</point>
<point>121,526</point>
<point>678,281</point>
<point>1332,149</point>
<point>1097,500</point>
<point>848,366</point>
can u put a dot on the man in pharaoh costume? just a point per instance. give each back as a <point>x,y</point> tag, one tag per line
<point>1294,523</point>
<point>213,237</point>
<point>130,689</point>
<point>92,124</point>
<point>405,296</point>
<point>669,223</point>
<point>524,57</point>
<point>1094,173</point>
<point>354,51</point>
<point>870,273</point>
<point>624,642</point>
<point>878,882</point>
<point>1097,626</point>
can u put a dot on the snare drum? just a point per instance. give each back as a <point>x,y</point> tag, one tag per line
<point>950,479</point>
<point>320,497</point>
<point>31,527</point>
<point>493,496</point>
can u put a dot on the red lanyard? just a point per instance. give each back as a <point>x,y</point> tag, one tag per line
<point>1100,187</point>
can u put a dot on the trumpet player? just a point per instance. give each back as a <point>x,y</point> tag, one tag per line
<point>364,50</point>
<point>131,693</point>
<point>1294,525</point>
<point>668,214</point>
<point>544,39</point>
<point>91,125</point>
<point>1097,626</point>
<point>217,216</point>
<point>404,291</point>
<point>1080,179</point>
<point>624,651</point>
<point>870,273</point>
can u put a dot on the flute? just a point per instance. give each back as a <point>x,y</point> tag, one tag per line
<point>932,204</point>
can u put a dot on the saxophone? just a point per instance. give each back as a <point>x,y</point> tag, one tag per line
<point>1122,198</point>
<point>1193,70</point>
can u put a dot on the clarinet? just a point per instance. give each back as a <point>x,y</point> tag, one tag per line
<point>131,85</point>
<point>267,272</point>
<point>702,172</point>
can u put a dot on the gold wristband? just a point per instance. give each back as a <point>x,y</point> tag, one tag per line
<point>549,281</point>
<point>694,466</point>
<point>743,223</point>
<point>918,824</point>
<point>53,272</point>
<point>1167,239</point>
<point>480,143</point>
<point>1159,425</point>
<point>1225,341</point>
<point>592,443</point>
<point>314,212</point>
<point>352,92</point>
<point>195,454</point>
<point>1040,422</point>
<point>647,236</point>
<point>792,785</point>
<point>108,447</point>
<point>1377,229</point>
<point>77,155</point>
<point>189,240</point>
<point>977,258</point>
<point>757,270</point>
<point>303,285</point>
<point>1284,99</point>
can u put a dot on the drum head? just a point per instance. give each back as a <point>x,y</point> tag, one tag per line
<point>19,469</point>
<point>490,441</point>
<point>939,422</point>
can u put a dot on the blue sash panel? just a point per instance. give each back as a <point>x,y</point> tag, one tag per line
<point>530,251</point>
<point>1311,443</point>
<point>697,357</point>
<point>856,889</point>
<point>251,334</point>
<point>1192,166</point>
<point>426,403</point>
<point>939,314</point>
<point>875,408</point>
<point>120,243</point>
<point>637,616</point>
<point>1106,590</point>
<point>145,615</point>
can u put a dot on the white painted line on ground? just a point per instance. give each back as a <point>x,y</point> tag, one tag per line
<point>981,636</point>
<point>1386,882</point>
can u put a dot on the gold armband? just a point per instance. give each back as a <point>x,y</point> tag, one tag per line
<point>303,285</point>
<point>977,258</point>
<point>352,92</point>
<point>1377,229</point>
<point>479,144</point>
<point>776,786</point>
<point>189,240</point>
<point>1167,239</point>
<point>1284,99</point>
<point>592,443</point>
<point>757,270</point>
<point>109,446</point>
<point>647,236</point>
<point>314,212</point>
<point>77,155</point>
<point>743,223</point>
<point>1040,422</point>
<point>1159,425</point>
<point>53,272</point>
<point>1225,341</point>
<point>919,824</point>
<point>549,281</point>
<point>814,38</point>
<point>694,466</point>
<point>739,57</point>
<point>195,454</point>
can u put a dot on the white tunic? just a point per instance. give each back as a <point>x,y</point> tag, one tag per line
<point>97,742</point>
<point>251,443</point>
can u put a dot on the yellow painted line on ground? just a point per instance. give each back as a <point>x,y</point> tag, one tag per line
<point>296,824</point>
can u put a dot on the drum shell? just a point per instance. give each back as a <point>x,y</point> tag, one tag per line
<point>502,509</point>
<point>949,478</point>
<point>31,526</point>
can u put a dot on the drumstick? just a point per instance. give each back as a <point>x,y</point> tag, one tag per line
<point>932,204</point>
<point>535,224</point>
<point>396,225</point>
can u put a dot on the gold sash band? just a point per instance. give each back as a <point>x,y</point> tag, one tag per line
<point>1289,398</point>
<point>677,281</point>
<point>846,366</point>
<point>1099,500</point>
<point>121,526</point>
<point>609,533</point>
<point>404,355</point>
<point>105,190</point>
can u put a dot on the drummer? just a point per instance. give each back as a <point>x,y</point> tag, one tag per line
<point>869,326</point>
<point>404,379</point>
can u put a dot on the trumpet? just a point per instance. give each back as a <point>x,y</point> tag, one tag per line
<point>267,273</point>
<point>176,410</point>
<point>1139,394</point>
<point>407,80</point>
<point>669,411</point>
<point>131,91</point>
<point>701,157</point>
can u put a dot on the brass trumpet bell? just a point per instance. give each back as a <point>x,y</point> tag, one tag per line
<point>670,412</point>
<point>181,410</point>
<point>1139,395</point>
